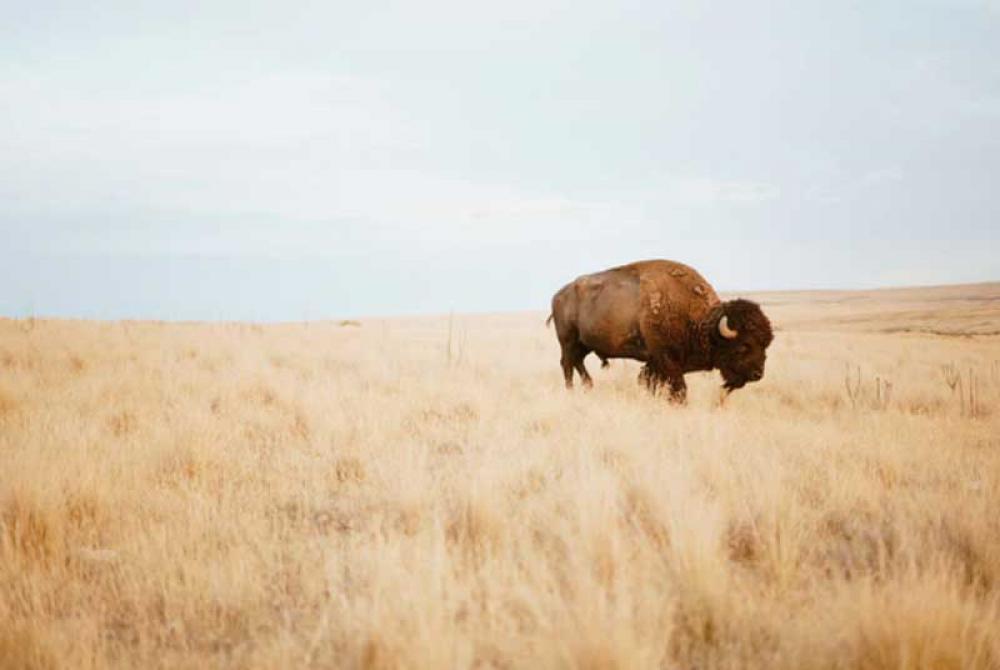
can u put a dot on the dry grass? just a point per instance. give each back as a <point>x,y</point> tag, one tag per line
<point>373,496</point>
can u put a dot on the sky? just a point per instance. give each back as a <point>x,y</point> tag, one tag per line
<point>285,161</point>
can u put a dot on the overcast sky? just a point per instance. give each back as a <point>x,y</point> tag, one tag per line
<point>245,160</point>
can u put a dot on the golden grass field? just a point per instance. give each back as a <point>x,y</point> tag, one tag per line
<point>423,493</point>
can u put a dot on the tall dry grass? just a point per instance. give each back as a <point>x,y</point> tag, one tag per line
<point>327,495</point>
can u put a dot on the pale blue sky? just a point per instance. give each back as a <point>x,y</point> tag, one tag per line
<point>245,160</point>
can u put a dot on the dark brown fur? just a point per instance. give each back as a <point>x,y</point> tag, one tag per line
<point>664,314</point>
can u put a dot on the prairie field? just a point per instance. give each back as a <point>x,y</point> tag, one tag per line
<point>424,493</point>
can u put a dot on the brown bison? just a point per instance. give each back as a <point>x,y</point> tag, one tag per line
<point>666,315</point>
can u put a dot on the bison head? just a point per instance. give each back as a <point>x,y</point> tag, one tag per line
<point>742,335</point>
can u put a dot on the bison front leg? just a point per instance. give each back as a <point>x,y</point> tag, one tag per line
<point>678,389</point>
<point>655,375</point>
<point>649,378</point>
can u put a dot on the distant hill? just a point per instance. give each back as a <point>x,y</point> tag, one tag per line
<point>956,310</point>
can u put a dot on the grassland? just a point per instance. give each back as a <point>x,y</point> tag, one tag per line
<point>423,493</point>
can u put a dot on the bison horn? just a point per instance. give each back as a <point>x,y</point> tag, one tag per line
<point>725,330</point>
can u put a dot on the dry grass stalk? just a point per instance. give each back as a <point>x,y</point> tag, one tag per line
<point>953,378</point>
<point>974,408</point>
<point>853,387</point>
<point>883,393</point>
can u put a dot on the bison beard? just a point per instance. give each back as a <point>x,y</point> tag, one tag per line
<point>666,315</point>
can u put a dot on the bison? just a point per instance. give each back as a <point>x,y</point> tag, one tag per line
<point>666,315</point>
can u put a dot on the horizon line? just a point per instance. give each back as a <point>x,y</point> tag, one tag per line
<point>343,318</point>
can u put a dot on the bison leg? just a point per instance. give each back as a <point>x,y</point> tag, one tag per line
<point>678,389</point>
<point>572,358</point>
<point>579,353</point>
<point>584,375</point>
<point>567,367</point>
<point>649,378</point>
<point>657,373</point>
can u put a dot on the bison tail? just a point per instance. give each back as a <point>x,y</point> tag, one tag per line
<point>548,321</point>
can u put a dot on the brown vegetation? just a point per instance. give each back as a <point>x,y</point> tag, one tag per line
<point>320,496</point>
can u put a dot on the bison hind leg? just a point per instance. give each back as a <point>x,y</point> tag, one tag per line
<point>567,367</point>
<point>581,353</point>
<point>572,359</point>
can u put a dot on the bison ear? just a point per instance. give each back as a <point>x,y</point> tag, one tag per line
<point>725,330</point>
